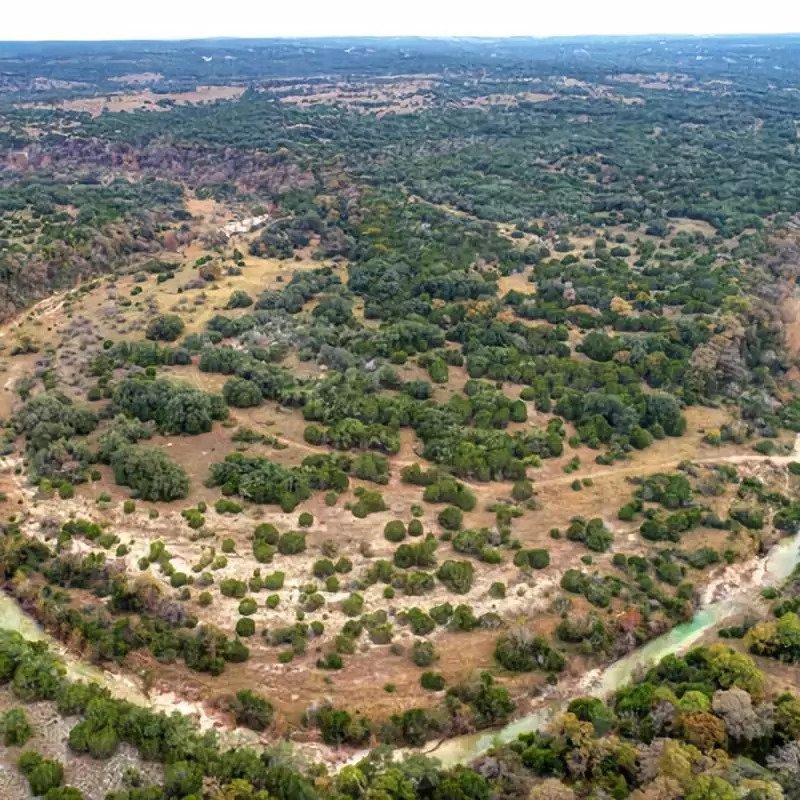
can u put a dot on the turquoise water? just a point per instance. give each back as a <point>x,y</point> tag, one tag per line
<point>13,617</point>
<point>773,568</point>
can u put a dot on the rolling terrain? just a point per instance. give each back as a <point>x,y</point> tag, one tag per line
<point>379,400</point>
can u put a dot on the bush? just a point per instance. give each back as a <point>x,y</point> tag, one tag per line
<point>463,618</point>
<point>15,728</point>
<point>164,328</point>
<point>522,490</point>
<point>497,590</point>
<point>43,774</point>
<point>456,575</point>
<point>353,605</point>
<point>421,624</point>
<point>233,587</point>
<point>64,792</point>
<point>432,681</point>
<point>537,558</point>
<point>340,727</point>
<point>415,528</point>
<point>239,299</point>
<point>291,543</point>
<point>450,518</point>
<point>305,520</point>
<point>520,652</point>
<point>225,506</point>
<point>394,531</point>
<point>323,568</point>
<point>242,393</point>
<point>368,503</point>
<point>228,545</point>
<point>150,473</point>
<point>245,626</point>
<point>251,710</point>
<point>194,518</point>
<point>423,653</point>
<point>330,661</point>
<point>447,490</point>
<point>266,532</point>
<point>248,606</point>
<point>274,581</point>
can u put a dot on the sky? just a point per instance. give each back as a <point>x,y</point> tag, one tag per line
<point>188,19</point>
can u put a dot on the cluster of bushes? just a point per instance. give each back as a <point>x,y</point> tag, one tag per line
<point>263,481</point>
<point>50,422</point>
<point>174,407</point>
<point>591,533</point>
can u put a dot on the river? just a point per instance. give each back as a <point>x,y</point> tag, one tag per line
<point>770,569</point>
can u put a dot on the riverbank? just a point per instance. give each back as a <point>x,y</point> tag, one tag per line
<point>772,568</point>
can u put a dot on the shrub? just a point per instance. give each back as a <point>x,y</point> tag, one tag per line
<point>394,531</point>
<point>242,393</point>
<point>194,518</point>
<point>593,534</point>
<point>432,681</point>
<point>340,727</point>
<point>265,532</point>
<point>15,728</point>
<point>248,606</point>
<point>291,543</point>
<point>450,518</point>
<point>305,520</point>
<point>537,558</point>
<point>520,652</point>
<point>245,626</point>
<point>423,653</point>
<point>164,328</point>
<point>228,545</point>
<point>441,613</point>
<point>415,528</point>
<point>178,579</point>
<point>353,605</point>
<point>233,587</point>
<point>522,490</point>
<point>330,661</point>
<point>274,581</point>
<point>43,774</point>
<point>150,473</point>
<point>239,299</point>
<point>225,506</point>
<point>251,710</point>
<point>421,624</point>
<point>456,575</point>
<point>323,568</point>
<point>448,490</point>
<point>497,590</point>
<point>344,565</point>
<point>368,502</point>
<point>463,618</point>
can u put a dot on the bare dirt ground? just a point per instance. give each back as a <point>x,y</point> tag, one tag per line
<point>149,100</point>
<point>401,95</point>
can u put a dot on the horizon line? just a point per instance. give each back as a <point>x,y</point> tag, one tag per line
<point>414,36</point>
